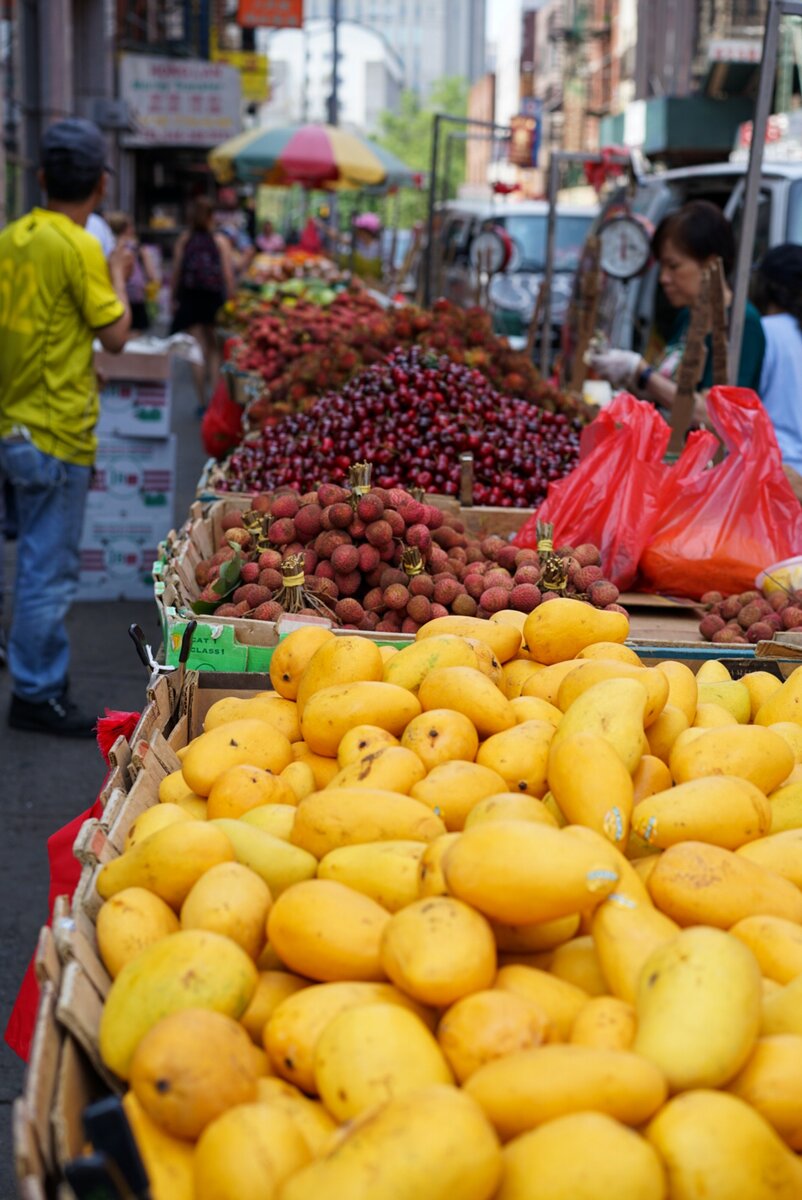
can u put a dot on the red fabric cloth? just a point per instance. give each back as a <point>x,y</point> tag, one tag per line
<point>310,238</point>
<point>65,871</point>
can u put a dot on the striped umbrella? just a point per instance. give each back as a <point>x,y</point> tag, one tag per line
<point>312,155</point>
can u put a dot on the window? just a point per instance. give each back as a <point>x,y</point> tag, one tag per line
<point>529,233</point>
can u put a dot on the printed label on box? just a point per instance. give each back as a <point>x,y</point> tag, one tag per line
<point>135,408</point>
<point>116,558</point>
<point>134,475</point>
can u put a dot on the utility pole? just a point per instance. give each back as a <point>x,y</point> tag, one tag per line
<point>334,102</point>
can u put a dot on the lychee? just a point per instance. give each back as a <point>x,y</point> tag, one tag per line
<point>524,597</point>
<point>587,555</point>
<point>710,625</point>
<point>285,505</point>
<point>282,531</point>
<point>379,533</point>
<point>331,493</point>
<point>369,558</point>
<point>446,590</point>
<point>495,599</point>
<point>369,508</point>
<point>761,631</point>
<point>419,609</point>
<point>421,585</point>
<point>344,559</point>
<point>349,611</point>
<point>307,521</point>
<point>602,593</point>
<point>269,611</point>
<point>269,558</point>
<point>464,606</point>
<point>396,596</point>
<point>270,579</point>
<point>585,576</point>
<point>418,535</point>
<point>348,584</point>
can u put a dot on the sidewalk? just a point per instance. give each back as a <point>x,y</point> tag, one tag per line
<point>47,781</point>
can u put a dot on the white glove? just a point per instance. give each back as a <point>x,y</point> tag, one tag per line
<point>619,367</point>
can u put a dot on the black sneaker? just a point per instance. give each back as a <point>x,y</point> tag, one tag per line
<point>56,716</point>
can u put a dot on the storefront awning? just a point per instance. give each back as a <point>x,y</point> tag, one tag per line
<point>678,128</point>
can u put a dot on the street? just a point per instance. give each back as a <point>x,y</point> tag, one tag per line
<point>48,780</point>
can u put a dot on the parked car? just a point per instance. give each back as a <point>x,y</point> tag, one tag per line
<point>513,292</point>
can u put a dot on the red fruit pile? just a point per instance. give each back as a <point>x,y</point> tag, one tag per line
<point>412,417</point>
<point>750,617</point>
<point>355,551</point>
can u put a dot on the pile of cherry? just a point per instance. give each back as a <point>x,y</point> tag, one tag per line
<point>359,559</point>
<point>412,416</point>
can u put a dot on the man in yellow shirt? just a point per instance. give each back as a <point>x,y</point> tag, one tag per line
<point>57,293</point>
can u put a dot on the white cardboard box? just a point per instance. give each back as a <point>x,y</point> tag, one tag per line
<point>117,555</point>
<point>136,392</point>
<point>136,478</point>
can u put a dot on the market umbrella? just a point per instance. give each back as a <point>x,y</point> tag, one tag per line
<point>312,155</point>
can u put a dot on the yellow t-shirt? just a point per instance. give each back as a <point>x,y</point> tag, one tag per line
<point>55,290</point>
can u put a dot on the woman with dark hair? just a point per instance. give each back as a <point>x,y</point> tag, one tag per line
<point>777,292</point>
<point>685,243</point>
<point>203,278</point>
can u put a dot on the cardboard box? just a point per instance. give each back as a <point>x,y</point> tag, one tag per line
<point>135,478</point>
<point>135,394</point>
<point>117,556</point>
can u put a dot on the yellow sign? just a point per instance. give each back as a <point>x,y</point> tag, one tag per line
<point>252,69</point>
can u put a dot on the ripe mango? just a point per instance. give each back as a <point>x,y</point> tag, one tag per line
<point>338,661</point>
<point>276,819</point>
<point>243,788</point>
<point>535,938</point>
<point>331,711</point>
<point>520,756</point>
<point>782,1009</point>
<point>292,655</point>
<point>712,716</point>
<point>626,932</point>
<point>783,703</point>
<point>273,987</point>
<point>410,666</point>
<point>560,1000</point>
<point>309,1116</point>
<point>488,1025</point>
<point>172,786</point>
<point>167,863</point>
<point>515,674</point>
<point>614,651</point>
<point>683,689</point>
<point>232,900</point>
<point>721,809</point>
<point>453,788</point>
<point>779,852</point>
<point>750,752</point>
<point>131,920</point>
<point>771,1084</point>
<point>385,871</point>
<point>650,776</point>
<point>277,862</point>
<point>439,736</point>
<point>775,943</point>
<point>591,785</point>
<point>732,695</point>
<point>156,817</point>
<point>248,1153</point>
<point>786,807</point>
<point>393,768</point>
<point>557,631</point>
<point>169,1161</point>
<point>588,674</point>
<point>431,880</point>
<point>532,708</point>
<point>503,639</point>
<point>545,685</point>
<point>606,1022</point>
<point>245,741</point>
<point>264,706</point>
<point>663,733</point>
<point>323,769</point>
<point>438,950</point>
<point>326,931</point>
<point>471,693</point>
<point>361,741</point>
<point>713,670</point>
<point>612,710</point>
<point>349,816</point>
<point>760,685</point>
<point>577,962</point>
<point>509,806</point>
<point>792,734</point>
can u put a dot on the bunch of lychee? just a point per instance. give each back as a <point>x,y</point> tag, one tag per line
<point>750,617</point>
<point>385,561</point>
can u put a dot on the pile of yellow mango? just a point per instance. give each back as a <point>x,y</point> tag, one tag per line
<point>503,915</point>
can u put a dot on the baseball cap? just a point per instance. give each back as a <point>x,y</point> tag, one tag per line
<point>74,144</point>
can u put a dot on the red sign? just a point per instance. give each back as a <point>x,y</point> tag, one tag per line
<point>273,14</point>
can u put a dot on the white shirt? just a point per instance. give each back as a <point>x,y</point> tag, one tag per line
<point>781,384</point>
<point>100,229</point>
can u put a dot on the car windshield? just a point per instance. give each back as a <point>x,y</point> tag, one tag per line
<point>794,231</point>
<point>529,233</point>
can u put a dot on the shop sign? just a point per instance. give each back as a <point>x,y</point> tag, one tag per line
<point>523,140</point>
<point>179,102</point>
<point>272,14</point>
<point>735,50</point>
<point>252,69</point>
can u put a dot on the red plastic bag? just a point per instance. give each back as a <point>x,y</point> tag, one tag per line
<point>612,498</point>
<point>221,427</point>
<point>721,527</point>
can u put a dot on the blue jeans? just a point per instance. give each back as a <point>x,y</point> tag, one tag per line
<point>50,498</point>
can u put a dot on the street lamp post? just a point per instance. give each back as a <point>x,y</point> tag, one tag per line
<point>335,57</point>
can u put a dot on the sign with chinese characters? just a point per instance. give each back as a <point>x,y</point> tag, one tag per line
<point>273,14</point>
<point>252,69</point>
<point>179,102</point>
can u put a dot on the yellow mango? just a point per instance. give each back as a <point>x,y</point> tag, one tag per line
<point>194,806</point>
<point>438,950</point>
<point>292,655</point>
<point>131,920</point>
<point>189,969</point>
<point>560,1000</point>
<point>721,809</point>
<point>649,777</point>
<point>453,788</point>
<point>712,716</point>
<point>551,804</point>
<point>387,652</point>
<point>577,962</point>
<point>242,788</point>
<point>786,807</point>
<point>169,1161</point>
<point>456,1153</point>
<point>349,816</point>
<point>393,768</point>
<point>244,741</point>
<point>520,873</point>
<point>439,736</point>
<point>385,871</point>
<point>323,769</point>
<point>713,670</point>
<point>471,693</point>
<point>190,1067</point>
<point>264,706</point>
<point>611,652</point>
<point>628,882</point>
<point>683,688</point>
<point>613,1161</point>
<point>431,880</point>
<point>612,710</point>
<point>273,859</point>
<point>292,1030</point>
<point>625,933</point>
<point>273,987</point>
<point>545,684</point>
<point>410,666</point>
<point>503,639</point>
<point>771,1084</point>
<point>705,1136</point>
<point>509,806</point>
<point>232,900</point>
<point>167,863</point>
<point>792,733</point>
<point>588,674</point>
<point>327,931</point>
<point>515,674</point>
<point>488,1025</point>
<point>732,696</point>
<point>751,752</point>
<point>366,1056</point>
<point>520,756</point>
<point>309,1116</point>
<point>277,819</point>
<point>536,938</point>
<point>784,703</point>
<point>760,685</point>
<point>591,785</point>
<point>172,787</point>
<point>663,732</point>
<point>694,883</point>
<point>527,1089</point>
<point>606,1022</point>
<point>532,708</point>
<point>336,662</point>
<point>559,630</point>
<point>486,661</point>
<point>782,1010</point>
<point>780,852</point>
<point>775,943</point>
<point>331,711</point>
<point>362,741</point>
<point>247,1153</point>
<point>645,866</point>
<point>698,1008</point>
<point>156,817</point>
